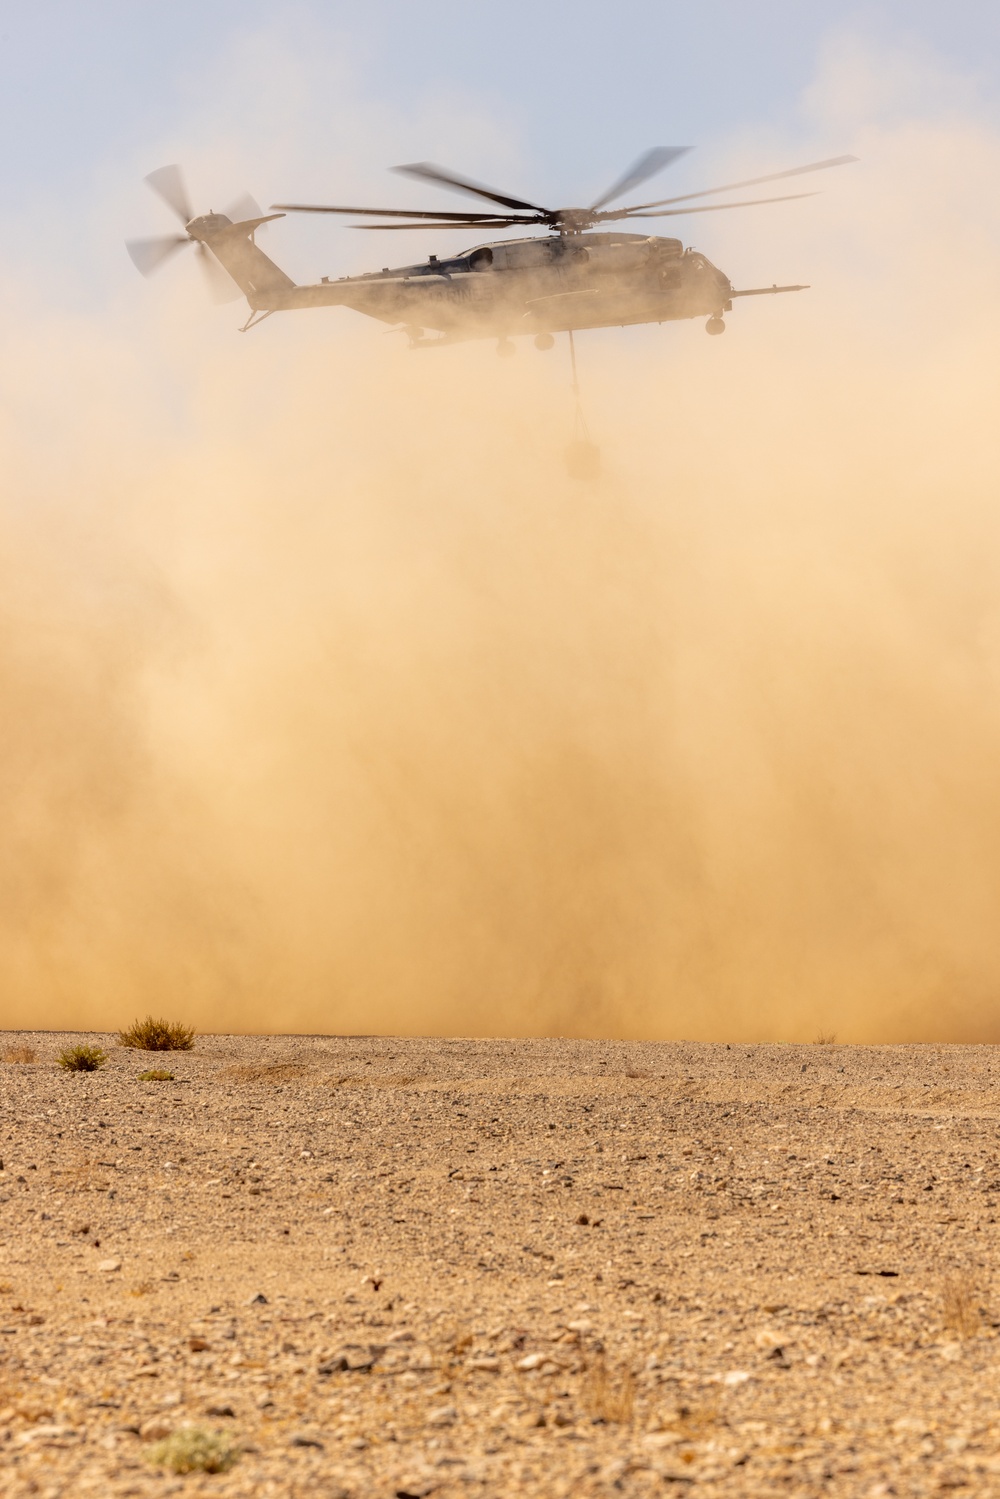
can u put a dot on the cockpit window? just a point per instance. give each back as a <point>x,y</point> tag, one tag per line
<point>481,260</point>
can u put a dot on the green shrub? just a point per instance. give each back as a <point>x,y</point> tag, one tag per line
<point>82,1058</point>
<point>192,1449</point>
<point>157,1035</point>
<point>156,1075</point>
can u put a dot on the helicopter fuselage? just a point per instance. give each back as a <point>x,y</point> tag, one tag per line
<point>526,286</point>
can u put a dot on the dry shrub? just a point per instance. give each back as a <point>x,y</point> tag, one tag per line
<point>157,1035</point>
<point>826,1038</point>
<point>156,1075</point>
<point>609,1393</point>
<point>262,1072</point>
<point>960,1309</point>
<point>21,1054</point>
<point>192,1449</point>
<point>81,1058</point>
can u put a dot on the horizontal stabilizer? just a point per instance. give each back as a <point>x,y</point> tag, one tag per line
<point>767,291</point>
<point>247,226</point>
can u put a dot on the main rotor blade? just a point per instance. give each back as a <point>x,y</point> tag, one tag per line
<point>242,209</point>
<point>426,171</point>
<point>450,224</point>
<point>390,213</point>
<point>674,213</point>
<point>814,166</point>
<point>168,184</point>
<point>221,286</point>
<point>149,254</point>
<point>647,166</point>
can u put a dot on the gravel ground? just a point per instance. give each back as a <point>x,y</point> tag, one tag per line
<point>409,1267</point>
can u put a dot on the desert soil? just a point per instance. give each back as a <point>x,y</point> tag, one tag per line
<point>460,1267</point>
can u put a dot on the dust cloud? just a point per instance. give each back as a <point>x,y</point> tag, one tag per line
<point>332,704</point>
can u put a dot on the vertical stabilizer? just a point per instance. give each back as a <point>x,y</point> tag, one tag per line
<point>233,245</point>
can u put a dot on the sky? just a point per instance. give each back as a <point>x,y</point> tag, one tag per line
<point>320,98</point>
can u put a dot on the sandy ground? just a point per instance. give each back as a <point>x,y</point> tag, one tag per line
<point>405,1267</point>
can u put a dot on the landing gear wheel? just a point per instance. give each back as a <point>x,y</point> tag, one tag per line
<point>715,325</point>
<point>505,348</point>
<point>544,341</point>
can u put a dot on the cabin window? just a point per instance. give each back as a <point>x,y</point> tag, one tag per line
<point>529,253</point>
<point>481,260</point>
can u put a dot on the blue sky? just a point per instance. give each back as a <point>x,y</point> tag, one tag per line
<point>89,94</point>
<point>80,82</point>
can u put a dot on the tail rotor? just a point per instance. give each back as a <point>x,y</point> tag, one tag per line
<point>148,255</point>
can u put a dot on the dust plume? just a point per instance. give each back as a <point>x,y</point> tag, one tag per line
<point>331,703</point>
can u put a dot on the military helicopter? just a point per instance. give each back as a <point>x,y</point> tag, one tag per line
<point>578,275</point>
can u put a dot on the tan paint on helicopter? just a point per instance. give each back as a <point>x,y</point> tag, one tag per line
<point>553,285</point>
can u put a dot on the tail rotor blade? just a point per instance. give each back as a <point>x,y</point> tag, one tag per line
<point>168,184</point>
<point>149,254</point>
<point>244,208</point>
<point>221,286</point>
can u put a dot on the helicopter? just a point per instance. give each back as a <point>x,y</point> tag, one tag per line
<point>577,275</point>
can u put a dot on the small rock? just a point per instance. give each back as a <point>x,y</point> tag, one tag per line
<point>46,1434</point>
<point>259,1300</point>
<point>155,1429</point>
<point>219,1410</point>
<point>530,1361</point>
<point>108,1267</point>
<point>198,1345</point>
<point>301,1440</point>
<point>488,1364</point>
<point>444,1415</point>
